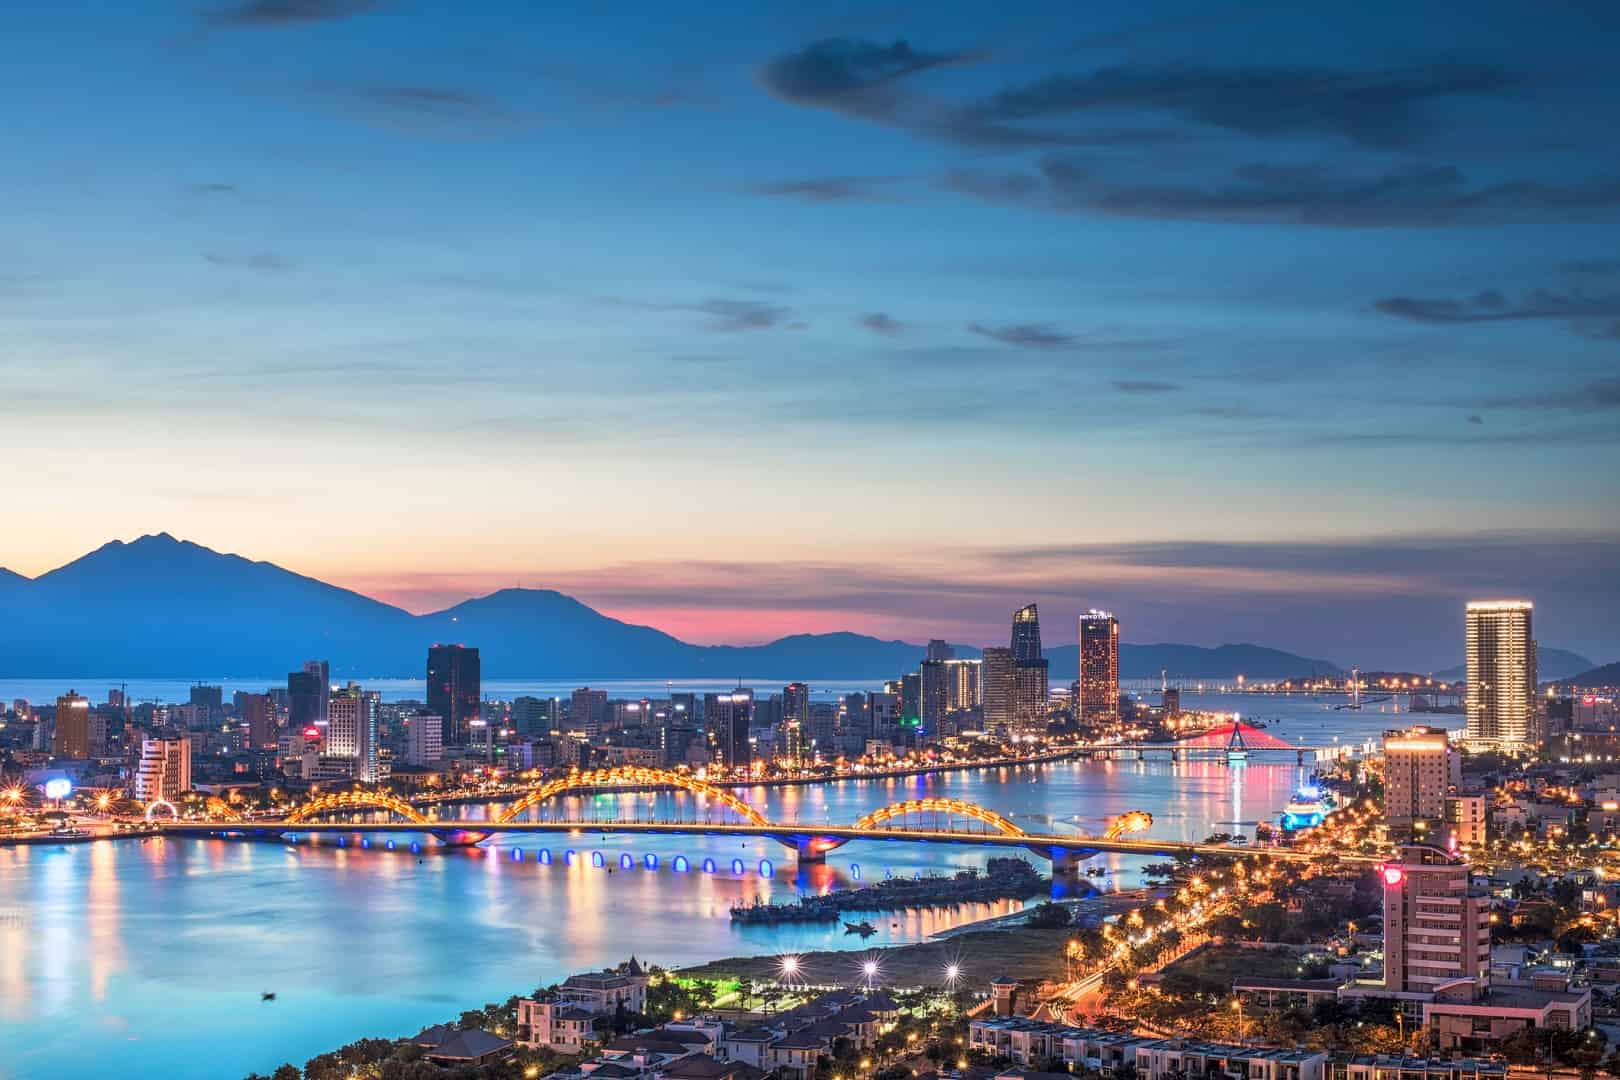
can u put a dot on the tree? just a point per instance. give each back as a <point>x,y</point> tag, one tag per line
<point>1049,916</point>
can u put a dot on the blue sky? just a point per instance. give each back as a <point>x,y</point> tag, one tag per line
<point>743,319</point>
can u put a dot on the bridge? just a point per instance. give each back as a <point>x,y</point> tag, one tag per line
<point>927,820</point>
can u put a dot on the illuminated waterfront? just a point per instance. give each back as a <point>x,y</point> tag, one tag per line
<point>151,952</point>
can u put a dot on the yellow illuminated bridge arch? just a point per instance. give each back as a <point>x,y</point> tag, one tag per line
<point>953,807</point>
<point>354,800</point>
<point>627,776</point>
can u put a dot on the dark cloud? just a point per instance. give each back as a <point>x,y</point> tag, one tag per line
<point>1374,107</point>
<point>271,13</point>
<point>849,76</point>
<point>729,316</point>
<point>264,260</point>
<point>1475,418</point>
<point>1301,195</point>
<point>1492,306</point>
<point>1591,316</point>
<point>825,188</point>
<point>1143,386</point>
<point>881,323</point>
<point>1594,396</point>
<point>1025,335</point>
<point>213,189</point>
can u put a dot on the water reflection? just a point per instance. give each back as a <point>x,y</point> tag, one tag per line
<point>169,944</point>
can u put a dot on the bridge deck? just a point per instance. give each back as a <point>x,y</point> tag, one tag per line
<point>788,834</point>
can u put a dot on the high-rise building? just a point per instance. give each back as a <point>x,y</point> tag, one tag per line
<point>1099,668</point>
<point>999,678</point>
<point>728,716</point>
<point>1420,767</point>
<point>910,700</point>
<point>1030,683</point>
<point>936,678</point>
<point>424,739</point>
<point>454,681</point>
<point>965,684</point>
<point>1436,924</point>
<point>352,731</point>
<point>939,649</point>
<point>306,699</point>
<point>258,712</point>
<point>211,698</point>
<point>588,712</point>
<point>1026,635</point>
<point>1501,693</point>
<point>164,771</point>
<point>795,722</point>
<point>534,716</point>
<point>72,733</point>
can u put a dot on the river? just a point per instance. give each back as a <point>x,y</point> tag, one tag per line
<point>150,958</point>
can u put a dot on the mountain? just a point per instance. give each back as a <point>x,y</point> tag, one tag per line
<point>158,606</point>
<point>1607,675</point>
<point>1552,665</point>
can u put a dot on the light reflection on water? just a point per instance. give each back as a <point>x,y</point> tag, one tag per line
<point>154,955</point>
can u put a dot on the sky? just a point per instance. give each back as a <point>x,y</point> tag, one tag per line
<point>1296,324</point>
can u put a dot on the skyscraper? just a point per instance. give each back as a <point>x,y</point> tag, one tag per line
<point>1099,667</point>
<point>939,649</point>
<point>728,715</point>
<point>1501,696</point>
<point>998,677</point>
<point>1420,766</point>
<point>306,696</point>
<point>72,734</point>
<point>1030,683</point>
<point>258,713</point>
<point>352,731</point>
<point>424,738</point>
<point>588,711</point>
<point>937,676</point>
<point>1026,635</point>
<point>454,689</point>
<point>795,719</point>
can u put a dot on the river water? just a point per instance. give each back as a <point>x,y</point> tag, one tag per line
<point>151,957</point>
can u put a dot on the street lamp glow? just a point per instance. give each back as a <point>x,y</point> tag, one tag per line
<point>790,965</point>
<point>953,972</point>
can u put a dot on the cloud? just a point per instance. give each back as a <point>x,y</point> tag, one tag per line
<point>1292,194</point>
<point>420,99</point>
<point>1592,316</point>
<point>824,189</point>
<point>881,323</point>
<point>264,260</point>
<point>1025,335</point>
<point>849,76</point>
<point>1143,386</point>
<point>730,316</point>
<point>1373,107</point>
<point>1594,396</point>
<point>1475,418</point>
<point>205,190</point>
<point>273,13</point>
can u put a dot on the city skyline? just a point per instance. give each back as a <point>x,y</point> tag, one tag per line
<point>837,260</point>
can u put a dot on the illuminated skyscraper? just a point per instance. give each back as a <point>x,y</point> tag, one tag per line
<point>727,716</point>
<point>1099,667</point>
<point>1420,767</point>
<point>998,677</point>
<point>71,738</point>
<point>164,771</point>
<point>939,649</point>
<point>1026,635</point>
<point>1501,699</point>
<point>352,731</point>
<point>935,686</point>
<point>1031,684</point>
<point>454,678</point>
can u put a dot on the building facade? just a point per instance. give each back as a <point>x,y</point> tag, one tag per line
<point>1099,668</point>
<point>1501,692</point>
<point>454,689</point>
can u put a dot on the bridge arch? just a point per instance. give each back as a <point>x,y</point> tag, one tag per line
<point>217,807</point>
<point>953,807</point>
<point>594,779</point>
<point>1132,821</point>
<point>354,800</point>
<point>160,804</point>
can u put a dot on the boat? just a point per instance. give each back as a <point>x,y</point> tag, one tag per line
<point>1306,810</point>
<point>865,929</point>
